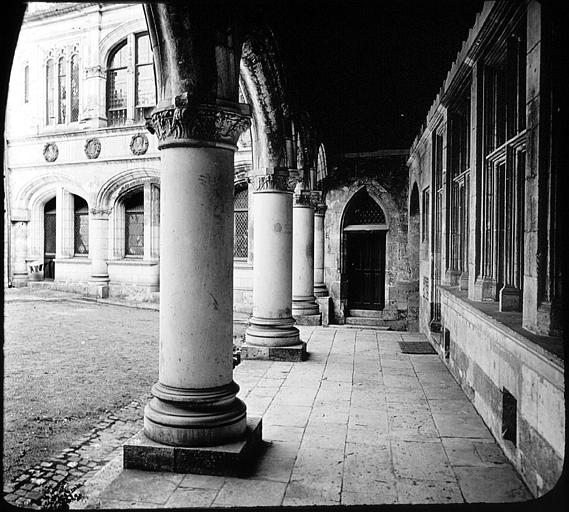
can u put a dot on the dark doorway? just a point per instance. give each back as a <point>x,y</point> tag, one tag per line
<point>49,240</point>
<point>366,269</point>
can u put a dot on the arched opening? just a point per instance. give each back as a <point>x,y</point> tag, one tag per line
<point>80,227</point>
<point>413,246</point>
<point>49,220</point>
<point>363,233</point>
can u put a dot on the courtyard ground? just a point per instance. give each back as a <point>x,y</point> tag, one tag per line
<point>359,422</point>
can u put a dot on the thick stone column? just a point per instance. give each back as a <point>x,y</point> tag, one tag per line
<point>319,286</point>
<point>98,242</point>
<point>20,242</point>
<point>271,333</point>
<point>304,308</point>
<point>194,401</point>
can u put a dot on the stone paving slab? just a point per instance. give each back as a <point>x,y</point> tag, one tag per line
<point>330,439</point>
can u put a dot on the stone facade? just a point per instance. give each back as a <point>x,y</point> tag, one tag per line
<point>483,242</point>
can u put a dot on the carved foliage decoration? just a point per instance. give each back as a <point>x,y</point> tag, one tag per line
<point>210,123</point>
<point>139,144</point>
<point>50,152</point>
<point>278,182</point>
<point>92,148</point>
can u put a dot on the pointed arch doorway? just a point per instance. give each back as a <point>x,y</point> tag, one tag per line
<point>364,234</point>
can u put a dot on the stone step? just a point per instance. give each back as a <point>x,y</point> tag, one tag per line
<point>367,313</point>
<point>366,321</point>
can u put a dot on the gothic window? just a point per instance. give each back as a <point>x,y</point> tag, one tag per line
<point>50,92</point>
<point>81,227</point>
<point>26,84</point>
<point>131,88</point>
<point>134,223</point>
<point>504,162</point>
<point>241,224</point>
<point>459,149</point>
<point>321,170</point>
<point>364,211</point>
<point>74,88</point>
<point>117,86</point>
<point>61,90</point>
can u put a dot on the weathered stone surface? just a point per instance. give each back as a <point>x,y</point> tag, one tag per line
<point>292,353</point>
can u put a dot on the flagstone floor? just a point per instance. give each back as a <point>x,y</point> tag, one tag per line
<point>358,422</point>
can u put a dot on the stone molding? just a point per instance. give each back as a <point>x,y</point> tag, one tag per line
<point>278,182</point>
<point>185,123</point>
<point>92,148</point>
<point>100,212</point>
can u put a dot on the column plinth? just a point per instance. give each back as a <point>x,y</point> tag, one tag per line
<point>271,325</point>
<point>304,307</point>
<point>194,402</point>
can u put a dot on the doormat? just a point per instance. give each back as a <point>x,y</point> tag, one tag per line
<point>416,347</point>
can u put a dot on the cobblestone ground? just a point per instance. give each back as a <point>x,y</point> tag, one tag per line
<point>76,376</point>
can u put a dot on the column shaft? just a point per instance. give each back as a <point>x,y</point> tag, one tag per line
<point>319,286</point>
<point>98,243</point>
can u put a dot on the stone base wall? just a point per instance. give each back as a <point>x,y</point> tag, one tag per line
<point>490,361</point>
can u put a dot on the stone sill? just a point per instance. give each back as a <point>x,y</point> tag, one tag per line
<point>548,347</point>
<point>78,260</point>
<point>242,263</point>
<point>134,262</point>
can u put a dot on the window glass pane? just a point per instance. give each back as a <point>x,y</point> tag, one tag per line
<point>119,59</point>
<point>81,233</point>
<point>74,88</point>
<point>50,92</point>
<point>143,51</point>
<point>49,233</point>
<point>134,233</point>
<point>61,90</point>
<point>240,234</point>
<point>145,86</point>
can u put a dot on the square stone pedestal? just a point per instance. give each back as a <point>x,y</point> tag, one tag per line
<point>293,353</point>
<point>308,319</point>
<point>232,459</point>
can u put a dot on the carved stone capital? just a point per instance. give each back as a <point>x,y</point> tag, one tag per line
<point>278,181</point>
<point>188,124</point>
<point>319,209</point>
<point>303,198</point>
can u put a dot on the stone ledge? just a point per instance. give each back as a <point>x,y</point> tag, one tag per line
<point>293,353</point>
<point>232,459</point>
<point>308,319</point>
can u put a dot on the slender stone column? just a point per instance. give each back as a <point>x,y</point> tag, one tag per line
<point>99,234</point>
<point>271,324</point>
<point>303,300</point>
<point>194,402</point>
<point>319,286</point>
<point>20,241</point>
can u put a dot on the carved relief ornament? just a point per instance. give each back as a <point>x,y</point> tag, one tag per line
<point>50,152</point>
<point>184,122</point>
<point>139,144</point>
<point>303,199</point>
<point>273,182</point>
<point>92,148</point>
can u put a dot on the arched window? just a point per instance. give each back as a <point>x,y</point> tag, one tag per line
<point>117,86</point>
<point>50,92</point>
<point>74,88</point>
<point>81,227</point>
<point>241,224</point>
<point>321,169</point>
<point>131,88</point>
<point>61,90</point>
<point>134,223</point>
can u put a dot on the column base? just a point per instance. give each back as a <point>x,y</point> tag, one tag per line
<point>98,287</point>
<point>195,417</point>
<point>19,280</point>
<point>304,306</point>
<point>237,458</point>
<point>320,290</point>
<point>272,332</point>
<point>308,319</point>
<point>292,353</point>
<point>509,299</point>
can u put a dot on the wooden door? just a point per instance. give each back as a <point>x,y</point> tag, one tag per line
<point>366,269</point>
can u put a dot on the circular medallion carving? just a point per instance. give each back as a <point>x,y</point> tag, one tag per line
<point>92,148</point>
<point>50,152</point>
<point>139,144</point>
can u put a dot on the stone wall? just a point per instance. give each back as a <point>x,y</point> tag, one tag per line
<point>490,359</point>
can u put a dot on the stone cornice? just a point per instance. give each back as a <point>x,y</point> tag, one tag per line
<point>188,124</point>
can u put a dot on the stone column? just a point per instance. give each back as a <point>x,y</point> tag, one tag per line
<point>194,401</point>
<point>304,307</point>
<point>20,241</point>
<point>98,243</point>
<point>271,333</point>
<point>319,286</point>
